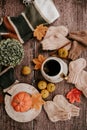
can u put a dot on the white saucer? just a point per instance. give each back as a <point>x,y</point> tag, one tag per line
<point>56,78</point>
<point>65,71</point>
<point>21,116</point>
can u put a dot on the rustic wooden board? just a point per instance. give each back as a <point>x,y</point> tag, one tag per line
<point>13,8</point>
<point>73,14</point>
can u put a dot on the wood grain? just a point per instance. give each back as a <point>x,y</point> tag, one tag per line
<point>73,14</point>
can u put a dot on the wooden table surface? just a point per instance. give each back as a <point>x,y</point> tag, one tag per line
<point>73,14</point>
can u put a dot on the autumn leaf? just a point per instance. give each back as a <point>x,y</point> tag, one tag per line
<point>40,31</point>
<point>74,95</point>
<point>37,101</point>
<point>38,61</point>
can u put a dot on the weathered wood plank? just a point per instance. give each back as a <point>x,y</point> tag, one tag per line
<point>27,61</point>
<point>14,8</point>
<point>72,14</point>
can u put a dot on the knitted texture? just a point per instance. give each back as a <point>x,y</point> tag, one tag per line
<point>60,109</point>
<point>75,68</point>
<point>77,75</point>
<point>54,113</point>
<point>64,105</point>
<point>22,26</point>
<point>19,27</point>
<point>76,50</point>
<point>56,29</point>
<point>55,38</point>
<point>80,36</point>
<point>82,82</point>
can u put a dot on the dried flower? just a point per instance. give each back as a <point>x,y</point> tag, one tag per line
<point>26,70</point>
<point>38,61</point>
<point>11,52</point>
<point>62,53</point>
<point>40,31</point>
<point>74,95</point>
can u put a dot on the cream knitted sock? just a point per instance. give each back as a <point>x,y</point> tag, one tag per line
<point>55,113</point>
<point>55,41</point>
<point>77,75</point>
<point>64,105</point>
<point>55,38</point>
<point>75,67</point>
<point>82,82</point>
<point>56,30</point>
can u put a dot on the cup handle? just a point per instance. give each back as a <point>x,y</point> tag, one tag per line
<point>62,75</point>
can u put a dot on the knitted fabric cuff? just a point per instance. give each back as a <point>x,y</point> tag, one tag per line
<point>22,26</point>
<point>64,105</point>
<point>72,78</point>
<point>75,68</point>
<point>82,82</point>
<point>55,113</point>
<point>19,27</point>
<point>80,36</point>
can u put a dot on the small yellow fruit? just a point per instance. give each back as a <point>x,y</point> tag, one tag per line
<point>42,85</point>
<point>44,93</point>
<point>26,70</point>
<point>63,53</point>
<point>51,87</point>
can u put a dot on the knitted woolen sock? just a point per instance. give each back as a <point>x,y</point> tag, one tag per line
<point>55,38</point>
<point>76,50</point>
<point>17,28</point>
<point>22,26</point>
<point>75,67</point>
<point>82,82</point>
<point>11,32</point>
<point>55,41</point>
<point>54,113</point>
<point>64,105</point>
<point>56,29</point>
<point>77,75</point>
<point>80,36</point>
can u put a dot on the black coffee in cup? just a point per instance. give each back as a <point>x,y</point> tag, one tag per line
<point>52,67</point>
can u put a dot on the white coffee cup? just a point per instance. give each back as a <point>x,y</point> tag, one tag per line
<point>53,68</point>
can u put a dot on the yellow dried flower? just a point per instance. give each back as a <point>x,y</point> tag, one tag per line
<point>38,61</point>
